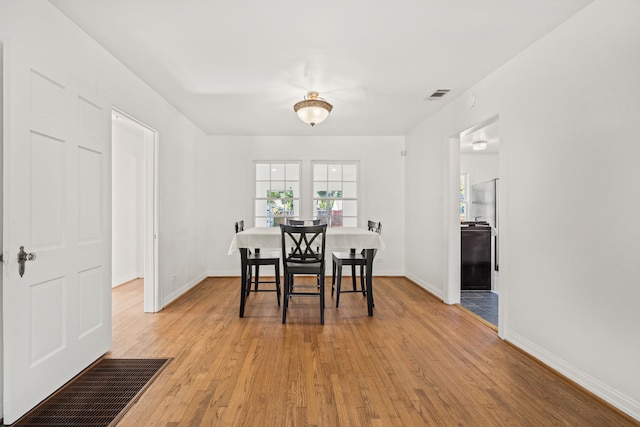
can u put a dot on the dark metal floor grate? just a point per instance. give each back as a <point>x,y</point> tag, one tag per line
<point>99,396</point>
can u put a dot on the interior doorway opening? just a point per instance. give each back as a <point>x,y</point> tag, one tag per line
<point>134,204</point>
<point>475,175</point>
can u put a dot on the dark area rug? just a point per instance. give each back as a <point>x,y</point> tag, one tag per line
<point>99,396</point>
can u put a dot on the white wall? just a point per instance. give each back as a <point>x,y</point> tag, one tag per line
<point>568,109</point>
<point>480,167</point>
<point>230,161</point>
<point>128,201</point>
<point>36,26</point>
<point>425,261</point>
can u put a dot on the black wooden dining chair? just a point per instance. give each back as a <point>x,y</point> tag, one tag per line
<point>255,260</point>
<point>302,222</point>
<point>299,222</point>
<point>351,258</point>
<point>303,249</point>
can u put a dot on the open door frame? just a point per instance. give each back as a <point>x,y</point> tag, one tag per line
<point>152,302</point>
<point>452,222</point>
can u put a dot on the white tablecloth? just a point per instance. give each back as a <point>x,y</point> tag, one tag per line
<point>337,238</point>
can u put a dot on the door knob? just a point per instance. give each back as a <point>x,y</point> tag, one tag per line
<point>22,258</point>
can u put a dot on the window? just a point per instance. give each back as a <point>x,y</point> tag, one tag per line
<point>277,193</point>
<point>464,203</point>
<point>335,193</point>
<point>278,188</point>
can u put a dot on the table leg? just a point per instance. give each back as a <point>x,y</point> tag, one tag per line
<point>243,279</point>
<point>369,254</point>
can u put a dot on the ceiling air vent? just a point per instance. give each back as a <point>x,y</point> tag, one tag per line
<point>438,94</point>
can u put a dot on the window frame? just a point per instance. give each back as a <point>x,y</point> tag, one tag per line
<point>264,220</point>
<point>331,220</point>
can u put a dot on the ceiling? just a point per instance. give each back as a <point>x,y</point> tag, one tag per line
<point>487,132</point>
<point>237,67</point>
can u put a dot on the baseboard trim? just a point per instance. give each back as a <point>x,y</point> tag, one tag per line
<point>426,286</point>
<point>181,291</point>
<point>619,401</point>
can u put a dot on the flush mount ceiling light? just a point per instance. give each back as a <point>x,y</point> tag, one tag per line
<point>312,109</point>
<point>479,145</point>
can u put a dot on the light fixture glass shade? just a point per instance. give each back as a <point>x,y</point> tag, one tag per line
<point>479,145</point>
<point>312,109</point>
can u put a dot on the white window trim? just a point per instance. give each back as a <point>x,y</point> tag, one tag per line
<point>306,186</point>
<point>252,182</point>
<point>359,186</point>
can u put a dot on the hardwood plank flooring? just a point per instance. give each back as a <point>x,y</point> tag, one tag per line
<point>417,362</point>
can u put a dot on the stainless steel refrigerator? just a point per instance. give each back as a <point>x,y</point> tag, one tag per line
<point>484,207</point>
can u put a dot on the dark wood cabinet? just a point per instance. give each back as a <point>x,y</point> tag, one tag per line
<point>475,257</point>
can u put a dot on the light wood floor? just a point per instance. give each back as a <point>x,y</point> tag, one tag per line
<point>417,362</point>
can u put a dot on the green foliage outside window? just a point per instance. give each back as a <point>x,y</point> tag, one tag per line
<point>325,205</point>
<point>327,200</point>
<point>279,206</point>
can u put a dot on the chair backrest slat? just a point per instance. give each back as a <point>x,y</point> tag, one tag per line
<point>307,244</point>
<point>303,222</point>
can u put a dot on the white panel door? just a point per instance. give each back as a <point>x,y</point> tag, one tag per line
<point>57,204</point>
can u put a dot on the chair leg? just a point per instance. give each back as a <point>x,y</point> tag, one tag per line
<point>247,286</point>
<point>362,285</point>
<point>321,279</point>
<point>364,292</point>
<point>285,300</point>
<point>277,267</point>
<point>338,285</point>
<point>353,276</point>
<point>333,276</point>
<point>257,277</point>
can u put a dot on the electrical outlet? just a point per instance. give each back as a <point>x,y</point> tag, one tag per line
<point>174,278</point>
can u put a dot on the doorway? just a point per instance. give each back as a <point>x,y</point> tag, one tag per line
<point>477,260</point>
<point>134,210</point>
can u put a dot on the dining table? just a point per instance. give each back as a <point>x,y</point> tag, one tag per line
<point>336,238</point>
